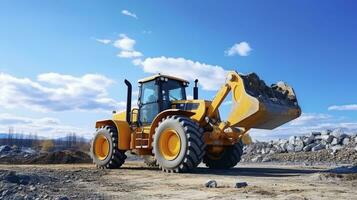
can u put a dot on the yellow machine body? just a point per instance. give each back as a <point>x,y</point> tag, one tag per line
<point>249,110</point>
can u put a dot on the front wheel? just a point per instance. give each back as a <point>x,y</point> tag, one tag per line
<point>178,144</point>
<point>104,151</point>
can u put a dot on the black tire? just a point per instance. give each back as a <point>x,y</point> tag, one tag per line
<point>229,157</point>
<point>192,144</point>
<point>150,161</point>
<point>115,157</point>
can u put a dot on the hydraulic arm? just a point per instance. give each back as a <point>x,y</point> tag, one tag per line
<point>254,105</point>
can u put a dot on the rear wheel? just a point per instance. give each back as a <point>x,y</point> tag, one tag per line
<point>104,151</point>
<point>178,144</point>
<point>225,159</point>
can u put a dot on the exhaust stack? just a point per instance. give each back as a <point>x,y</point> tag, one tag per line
<point>128,101</point>
<point>195,90</point>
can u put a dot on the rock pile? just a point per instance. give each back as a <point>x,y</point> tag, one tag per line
<point>324,143</point>
<point>24,155</point>
<point>11,154</point>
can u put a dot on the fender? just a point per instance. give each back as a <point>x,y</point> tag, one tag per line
<point>124,131</point>
<point>166,113</point>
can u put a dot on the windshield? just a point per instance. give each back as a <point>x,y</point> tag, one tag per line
<point>173,90</point>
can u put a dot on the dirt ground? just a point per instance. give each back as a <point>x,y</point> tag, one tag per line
<point>135,181</point>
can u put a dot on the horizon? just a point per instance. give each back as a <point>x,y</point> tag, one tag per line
<point>63,65</point>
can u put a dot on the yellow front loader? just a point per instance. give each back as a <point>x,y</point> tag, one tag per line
<point>177,134</point>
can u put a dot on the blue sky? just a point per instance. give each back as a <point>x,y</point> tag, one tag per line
<point>63,64</point>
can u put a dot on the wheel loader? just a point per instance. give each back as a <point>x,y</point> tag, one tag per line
<point>177,134</point>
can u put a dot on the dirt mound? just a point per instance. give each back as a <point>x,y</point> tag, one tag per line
<point>61,157</point>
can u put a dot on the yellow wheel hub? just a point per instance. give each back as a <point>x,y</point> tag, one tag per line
<point>169,144</point>
<point>101,147</point>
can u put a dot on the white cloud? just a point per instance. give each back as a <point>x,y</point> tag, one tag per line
<point>57,92</point>
<point>46,127</point>
<point>344,107</point>
<point>126,45</point>
<point>242,49</point>
<point>103,41</point>
<point>130,54</point>
<point>211,77</point>
<point>128,13</point>
<point>306,118</point>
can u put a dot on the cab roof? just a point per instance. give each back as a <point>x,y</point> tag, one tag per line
<point>160,75</point>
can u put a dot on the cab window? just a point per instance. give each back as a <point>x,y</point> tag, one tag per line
<point>148,106</point>
<point>149,92</point>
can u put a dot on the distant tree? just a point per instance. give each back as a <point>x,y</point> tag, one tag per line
<point>47,145</point>
<point>21,140</point>
<point>10,136</point>
<point>74,139</point>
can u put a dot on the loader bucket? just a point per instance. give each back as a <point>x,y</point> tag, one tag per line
<point>258,106</point>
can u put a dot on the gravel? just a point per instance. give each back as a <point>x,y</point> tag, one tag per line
<point>47,184</point>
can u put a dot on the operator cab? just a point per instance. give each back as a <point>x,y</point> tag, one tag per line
<point>156,94</point>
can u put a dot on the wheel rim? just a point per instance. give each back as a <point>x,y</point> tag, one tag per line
<point>169,144</point>
<point>101,147</point>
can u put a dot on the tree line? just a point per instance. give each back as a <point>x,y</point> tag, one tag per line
<point>70,141</point>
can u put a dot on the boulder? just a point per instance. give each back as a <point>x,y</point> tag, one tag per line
<point>318,147</point>
<point>334,141</point>
<point>343,136</point>
<point>318,137</point>
<point>290,148</point>
<point>309,147</point>
<point>265,150</point>
<point>327,138</point>
<point>309,139</point>
<point>211,184</point>
<point>346,141</point>
<point>292,140</point>
<point>257,158</point>
<point>272,151</point>
<point>283,144</point>
<point>241,184</point>
<point>337,133</point>
<point>322,142</point>
<point>299,145</point>
<point>277,149</point>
